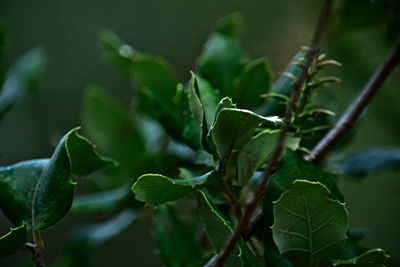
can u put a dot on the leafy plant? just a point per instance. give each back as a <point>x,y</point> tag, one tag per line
<point>225,162</point>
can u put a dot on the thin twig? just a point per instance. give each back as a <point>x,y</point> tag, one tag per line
<point>37,252</point>
<point>256,251</point>
<point>37,256</point>
<point>254,223</point>
<point>37,259</point>
<point>319,154</point>
<point>277,152</point>
<point>355,109</point>
<point>212,261</point>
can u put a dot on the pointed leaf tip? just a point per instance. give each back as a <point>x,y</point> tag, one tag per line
<point>156,189</point>
<point>229,26</point>
<point>40,192</point>
<point>232,128</point>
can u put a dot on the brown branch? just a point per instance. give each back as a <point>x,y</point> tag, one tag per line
<point>358,105</point>
<point>220,259</point>
<point>254,223</point>
<point>37,259</point>
<point>37,256</point>
<point>256,251</point>
<point>355,109</point>
<point>389,62</point>
<point>37,250</point>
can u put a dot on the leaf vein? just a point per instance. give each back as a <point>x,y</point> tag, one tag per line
<point>291,212</point>
<point>324,224</point>
<point>327,246</point>
<point>290,233</point>
<point>319,209</point>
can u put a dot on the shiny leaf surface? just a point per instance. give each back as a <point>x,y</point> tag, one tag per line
<point>156,189</point>
<point>13,241</point>
<point>40,192</point>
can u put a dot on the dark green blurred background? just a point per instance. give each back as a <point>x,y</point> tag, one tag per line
<point>176,30</point>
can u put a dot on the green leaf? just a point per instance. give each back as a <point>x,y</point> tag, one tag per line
<point>233,128</point>
<point>100,201</point>
<point>219,230</point>
<point>291,167</point>
<point>203,102</point>
<point>372,258</point>
<point>156,189</point>
<point>195,105</point>
<point>193,129</point>
<point>225,102</point>
<point>309,226</point>
<point>154,73</point>
<point>112,129</point>
<point>221,61</point>
<point>208,96</point>
<point>349,250</point>
<point>313,127</point>
<point>164,111</point>
<point>148,71</point>
<point>40,192</point>
<point>229,26</point>
<point>116,51</point>
<point>174,239</point>
<point>254,153</point>
<point>22,78</point>
<point>208,143</point>
<point>272,256</point>
<point>283,86</point>
<point>292,142</point>
<point>153,76</point>
<point>192,134</point>
<point>13,241</point>
<point>83,156</point>
<point>158,88</point>
<point>253,81</point>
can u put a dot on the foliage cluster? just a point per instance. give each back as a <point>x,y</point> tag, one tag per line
<point>191,153</point>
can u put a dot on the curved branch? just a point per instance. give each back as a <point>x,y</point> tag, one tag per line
<point>355,109</point>
<point>277,152</point>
